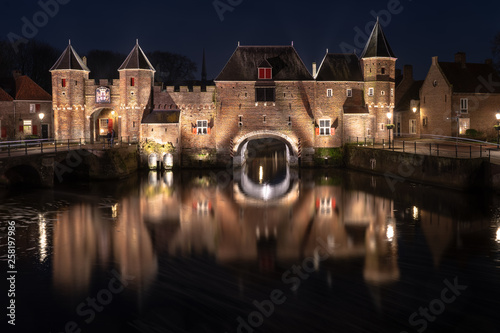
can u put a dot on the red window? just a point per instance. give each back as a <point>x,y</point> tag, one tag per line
<point>132,81</point>
<point>265,73</point>
<point>63,83</point>
<point>37,107</point>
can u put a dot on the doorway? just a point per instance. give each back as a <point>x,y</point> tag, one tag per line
<point>45,131</point>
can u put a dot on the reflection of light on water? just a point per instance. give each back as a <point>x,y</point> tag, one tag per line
<point>153,178</point>
<point>390,232</point>
<point>169,177</point>
<point>42,230</point>
<point>261,174</point>
<point>415,213</point>
<point>498,234</point>
<point>114,211</point>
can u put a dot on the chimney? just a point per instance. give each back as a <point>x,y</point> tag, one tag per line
<point>16,73</point>
<point>408,72</point>
<point>84,59</point>
<point>314,69</point>
<point>489,62</point>
<point>435,60</point>
<point>460,58</point>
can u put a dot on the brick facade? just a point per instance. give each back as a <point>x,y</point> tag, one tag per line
<point>348,97</point>
<point>446,85</point>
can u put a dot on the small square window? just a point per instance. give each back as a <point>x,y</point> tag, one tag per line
<point>329,92</point>
<point>381,126</point>
<point>202,127</point>
<point>324,127</point>
<point>370,91</point>
<point>349,92</point>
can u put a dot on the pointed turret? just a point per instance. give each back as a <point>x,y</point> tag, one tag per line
<point>69,74</point>
<point>377,45</point>
<point>136,86</point>
<point>136,60</point>
<point>70,60</point>
<point>378,63</point>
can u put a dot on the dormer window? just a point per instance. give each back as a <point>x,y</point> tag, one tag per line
<point>265,70</point>
<point>265,74</point>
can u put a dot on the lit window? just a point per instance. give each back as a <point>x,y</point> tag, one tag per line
<point>464,105</point>
<point>264,94</point>
<point>349,92</point>
<point>413,126</point>
<point>27,128</point>
<point>370,91</point>
<point>265,73</point>
<point>324,127</point>
<point>202,127</point>
<point>103,126</point>
<point>329,92</point>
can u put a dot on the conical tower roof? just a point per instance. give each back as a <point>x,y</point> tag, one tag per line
<point>69,59</point>
<point>136,60</point>
<point>377,45</point>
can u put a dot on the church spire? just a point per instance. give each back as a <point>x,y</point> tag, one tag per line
<point>204,69</point>
<point>377,45</point>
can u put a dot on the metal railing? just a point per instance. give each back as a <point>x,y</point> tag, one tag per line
<point>440,146</point>
<point>40,146</point>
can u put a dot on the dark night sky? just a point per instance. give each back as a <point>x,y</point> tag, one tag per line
<point>419,30</point>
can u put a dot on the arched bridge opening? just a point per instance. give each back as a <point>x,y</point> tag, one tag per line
<point>265,145</point>
<point>22,176</point>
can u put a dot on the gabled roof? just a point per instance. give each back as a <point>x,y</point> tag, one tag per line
<point>284,60</point>
<point>377,45</point>
<point>4,97</point>
<point>340,67</point>
<point>413,93</point>
<point>28,90</point>
<point>467,79</point>
<point>69,59</point>
<point>136,60</point>
<point>162,117</point>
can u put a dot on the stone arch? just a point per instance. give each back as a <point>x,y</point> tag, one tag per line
<point>241,143</point>
<point>97,132</point>
<point>23,174</point>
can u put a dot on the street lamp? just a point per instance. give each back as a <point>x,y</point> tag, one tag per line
<point>389,126</point>
<point>41,115</point>
<point>497,127</point>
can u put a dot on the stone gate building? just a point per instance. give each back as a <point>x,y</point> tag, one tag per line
<point>262,92</point>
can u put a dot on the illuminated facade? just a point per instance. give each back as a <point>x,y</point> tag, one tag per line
<point>262,92</point>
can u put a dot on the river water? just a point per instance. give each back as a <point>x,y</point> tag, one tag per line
<point>297,251</point>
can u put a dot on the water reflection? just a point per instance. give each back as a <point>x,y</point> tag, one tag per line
<point>172,230</point>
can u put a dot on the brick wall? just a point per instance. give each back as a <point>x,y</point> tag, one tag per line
<point>435,103</point>
<point>291,114</point>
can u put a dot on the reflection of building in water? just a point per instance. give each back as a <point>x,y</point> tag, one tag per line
<point>232,227</point>
<point>87,237</point>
